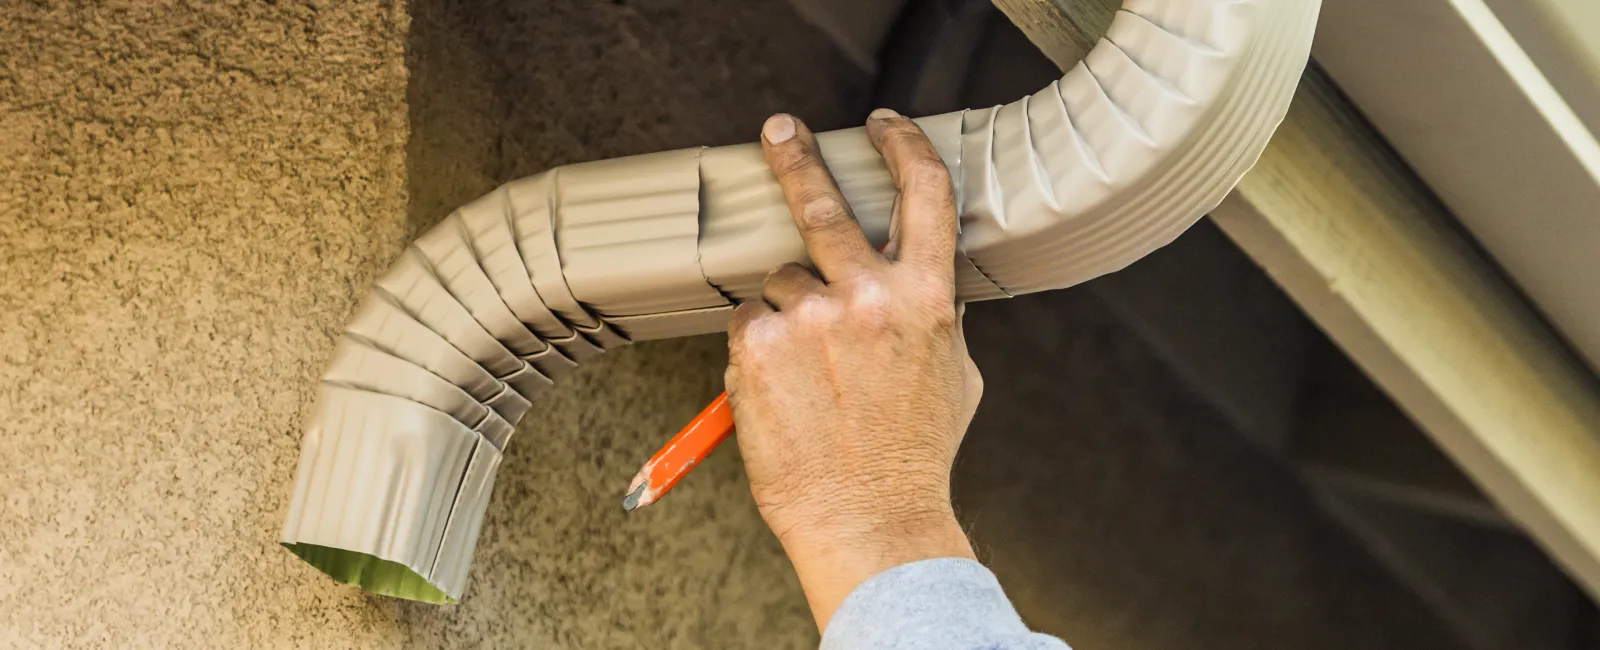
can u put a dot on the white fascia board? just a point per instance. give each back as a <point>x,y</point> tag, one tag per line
<point>1456,94</point>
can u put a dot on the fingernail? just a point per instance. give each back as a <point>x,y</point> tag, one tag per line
<point>778,129</point>
<point>883,114</point>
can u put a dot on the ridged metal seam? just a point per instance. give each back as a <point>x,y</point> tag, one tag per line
<point>1241,118</point>
<point>944,131</point>
<point>604,336</point>
<point>510,404</point>
<point>747,229</point>
<point>356,365</point>
<point>578,347</point>
<point>450,565</point>
<point>531,200</point>
<point>496,430</point>
<point>975,182</point>
<point>488,224</point>
<point>1174,193</point>
<point>675,324</point>
<point>555,362</point>
<point>412,285</point>
<point>387,326</point>
<point>971,283</point>
<point>1025,200</point>
<point>1195,69</point>
<point>1155,104</point>
<point>628,234</point>
<point>382,325</point>
<point>746,223</point>
<point>480,317</point>
<point>452,261</point>
<point>1207,23</point>
<point>528,381</point>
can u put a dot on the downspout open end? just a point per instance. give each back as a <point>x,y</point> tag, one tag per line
<point>371,573</point>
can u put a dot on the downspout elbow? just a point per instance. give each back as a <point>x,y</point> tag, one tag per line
<point>484,313</point>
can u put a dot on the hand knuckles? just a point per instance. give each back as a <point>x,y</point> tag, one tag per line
<point>821,207</point>
<point>763,338</point>
<point>927,174</point>
<point>903,131</point>
<point>744,316</point>
<point>815,312</point>
<point>741,319</point>
<point>788,272</point>
<point>801,162</point>
<point>869,305</point>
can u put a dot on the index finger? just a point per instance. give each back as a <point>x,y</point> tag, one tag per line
<point>927,231</point>
<point>832,236</point>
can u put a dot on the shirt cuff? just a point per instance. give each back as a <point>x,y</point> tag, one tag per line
<point>939,603</point>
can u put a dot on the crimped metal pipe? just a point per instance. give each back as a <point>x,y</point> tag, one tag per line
<point>484,312</point>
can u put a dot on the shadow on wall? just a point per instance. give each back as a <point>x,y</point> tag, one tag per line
<point>1119,512</point>
<point>501,90</point>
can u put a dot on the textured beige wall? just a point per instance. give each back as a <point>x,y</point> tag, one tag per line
<point>192,198</point>
<point>193,195</point>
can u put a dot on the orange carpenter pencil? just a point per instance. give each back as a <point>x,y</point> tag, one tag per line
<point>683,452</point>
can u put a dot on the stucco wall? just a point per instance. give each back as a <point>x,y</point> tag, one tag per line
<point>193,195</point>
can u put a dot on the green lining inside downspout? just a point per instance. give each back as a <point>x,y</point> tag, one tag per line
<point>370,573</point>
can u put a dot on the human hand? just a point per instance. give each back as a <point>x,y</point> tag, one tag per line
<point>852,390</point>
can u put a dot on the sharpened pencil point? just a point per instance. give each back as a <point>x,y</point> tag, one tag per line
<point>630,502</point>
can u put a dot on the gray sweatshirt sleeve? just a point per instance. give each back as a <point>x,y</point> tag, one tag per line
<point>942,604</point>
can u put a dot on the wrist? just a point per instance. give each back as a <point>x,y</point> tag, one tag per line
<point>863,549</point>
<point>834,556</point>
<point>847,526</point>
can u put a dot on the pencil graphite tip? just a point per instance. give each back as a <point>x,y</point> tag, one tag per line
<point>630,502</point>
